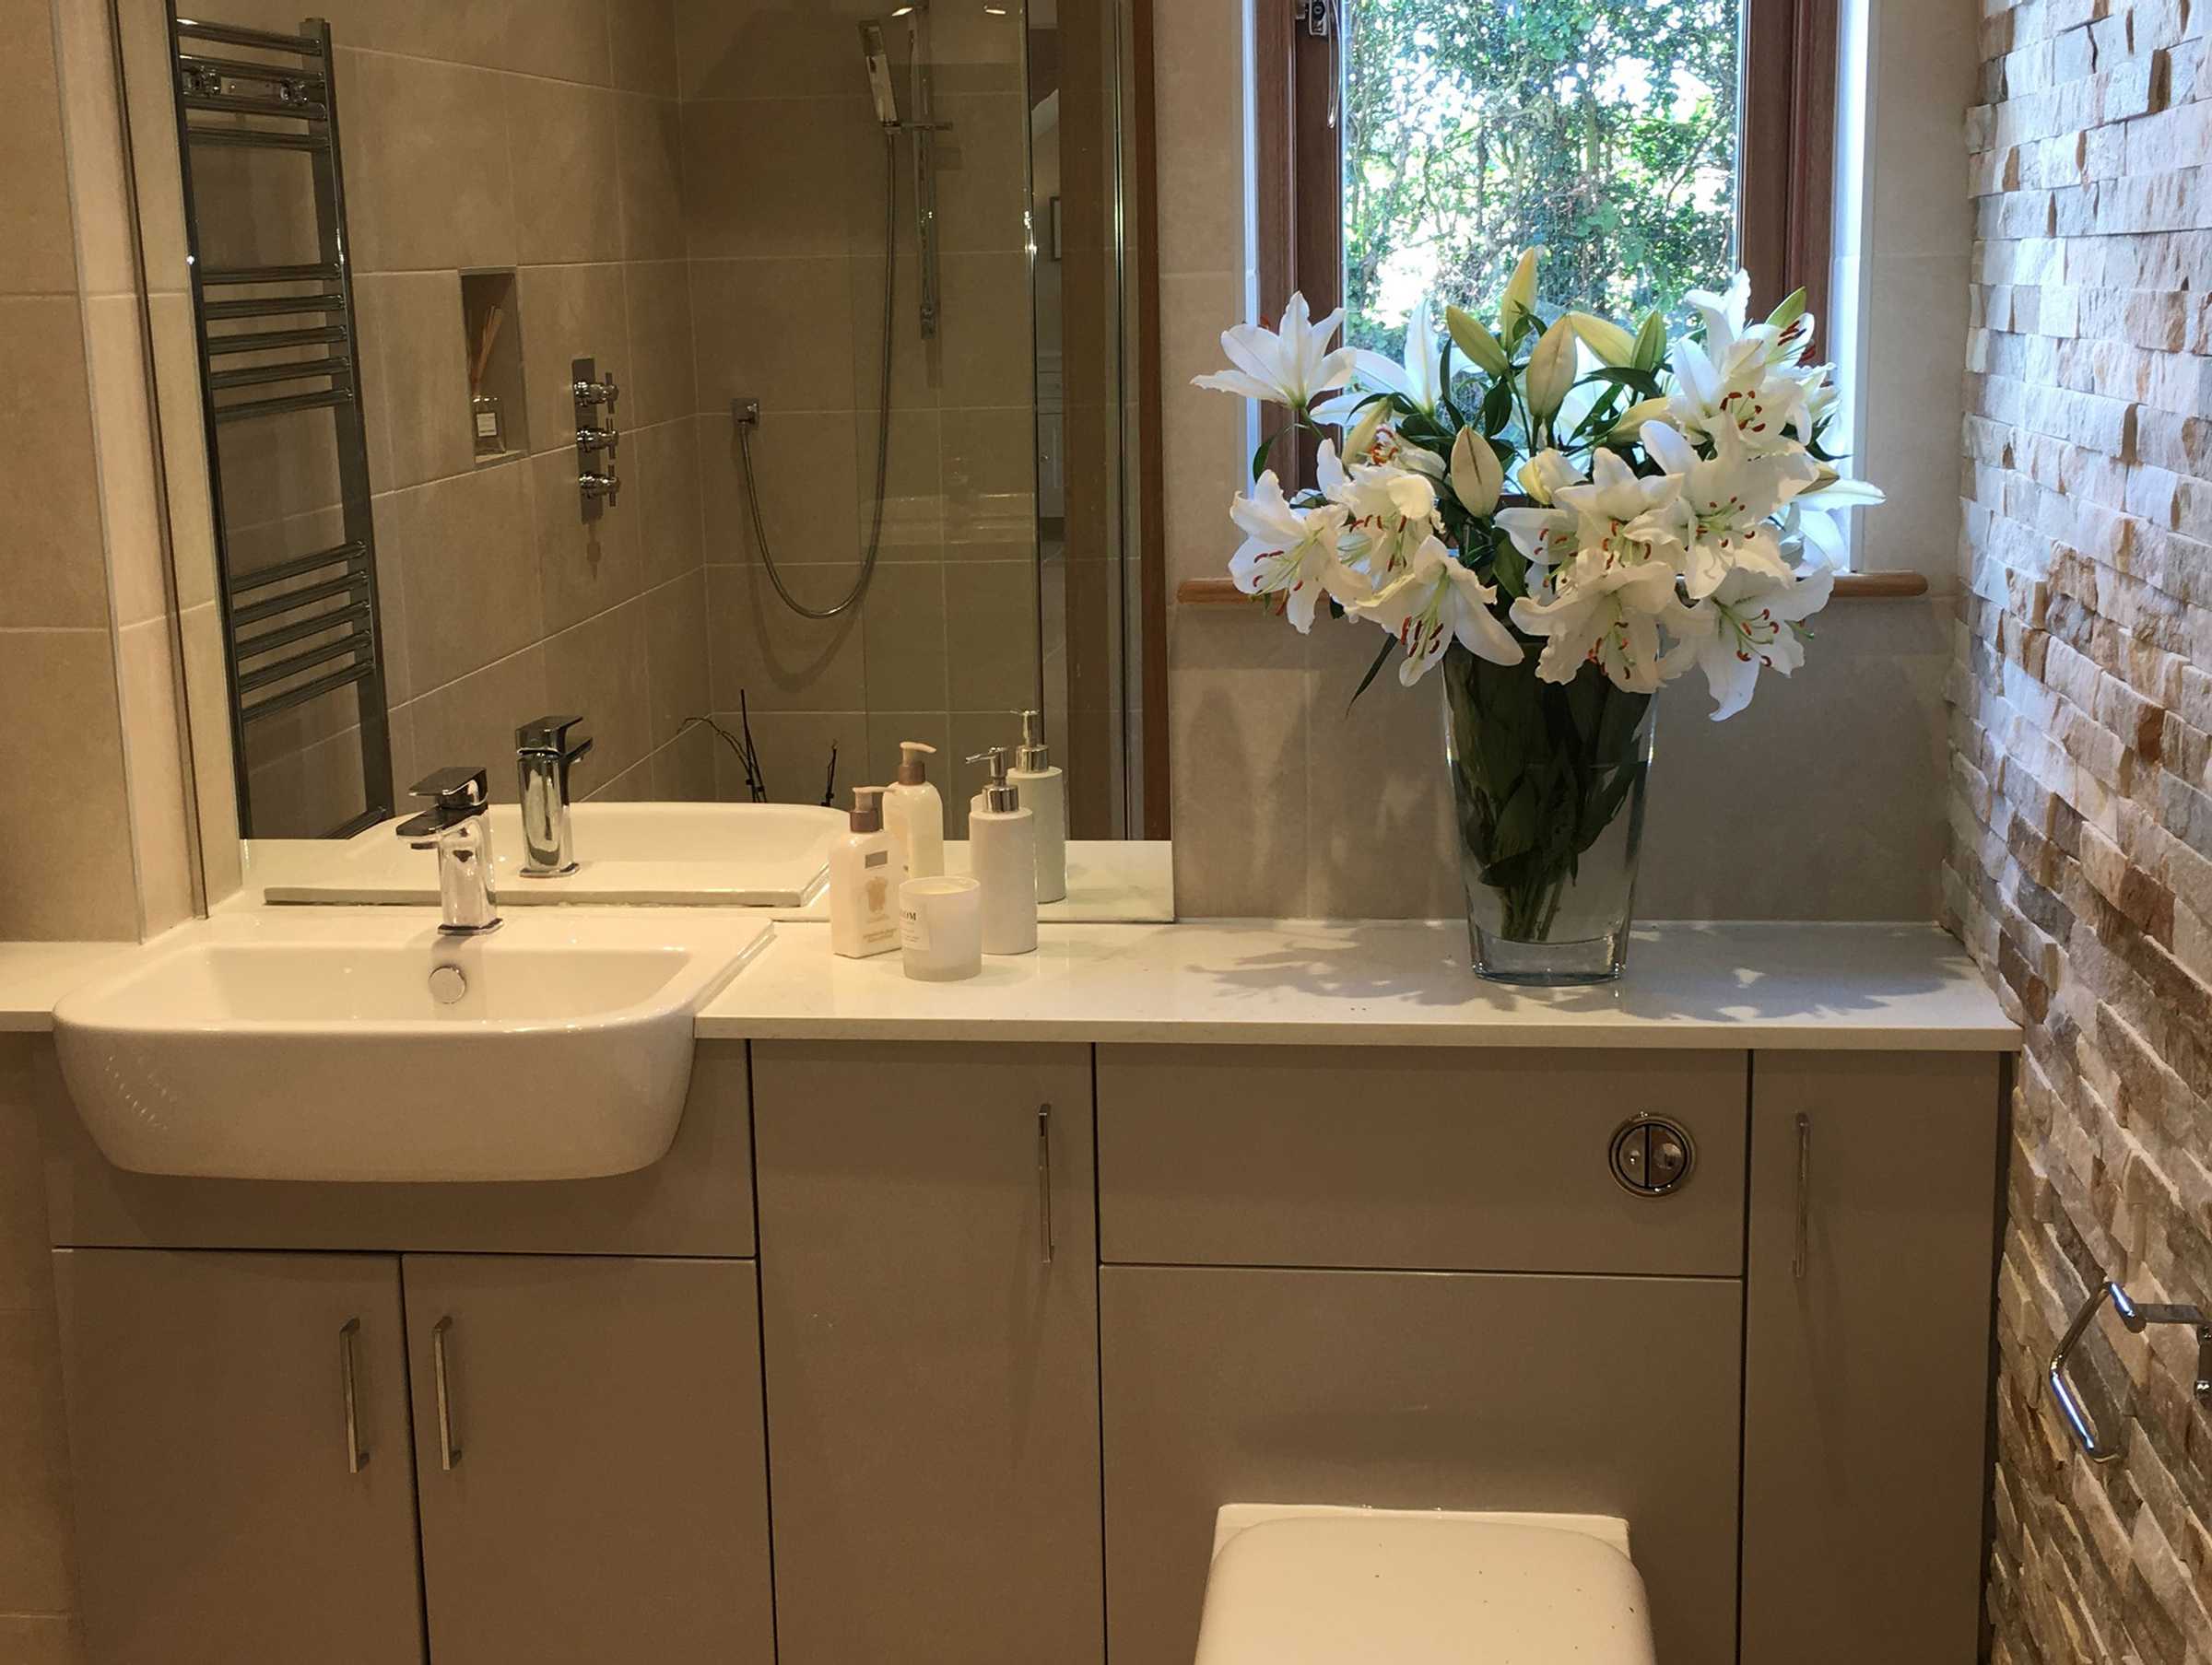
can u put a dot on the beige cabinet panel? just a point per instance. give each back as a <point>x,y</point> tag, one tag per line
<point>931,1378</point>
<point>692,1201</point>
<point>608,1498</point>
<point>1447,1160</point>
<point>1615,1396</point>
<point>1866,1396</point>
<point>224,1513</point>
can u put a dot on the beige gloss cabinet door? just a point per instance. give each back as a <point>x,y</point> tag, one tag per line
<point>1438,1161</point>
<point>932,1403</point>
<point>1581,1395</point>
<point>592,1472</point>
<point>226,1510</point>
<point>1866,1356</point>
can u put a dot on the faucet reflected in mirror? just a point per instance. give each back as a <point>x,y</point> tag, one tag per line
<point>925,517</point>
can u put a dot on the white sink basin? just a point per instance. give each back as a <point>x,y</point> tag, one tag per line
<point>310,1044</point>
<point>731,855</point>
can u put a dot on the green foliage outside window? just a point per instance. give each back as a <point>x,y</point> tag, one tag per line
<point>1604,130</point>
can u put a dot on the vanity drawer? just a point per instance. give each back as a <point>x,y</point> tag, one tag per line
<point>1442,1161</point>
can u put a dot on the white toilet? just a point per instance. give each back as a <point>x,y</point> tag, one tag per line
<point>1315,1585</point>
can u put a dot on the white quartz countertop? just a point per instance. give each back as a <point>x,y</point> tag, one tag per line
<point>1387,983</point>
<point>1379,983</point>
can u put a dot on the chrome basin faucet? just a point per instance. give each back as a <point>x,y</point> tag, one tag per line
<point>543,757</point>
<point>454,826</point>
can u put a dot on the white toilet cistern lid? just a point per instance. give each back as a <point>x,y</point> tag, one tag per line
<point>1318,1585</point>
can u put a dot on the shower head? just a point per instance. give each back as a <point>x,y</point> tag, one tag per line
<point>880,74</point>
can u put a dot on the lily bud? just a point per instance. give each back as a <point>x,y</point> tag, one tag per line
<point>1632,420</point>
<point>1478,478</point>
<point>1552,370</point>
<point>1517,311</point>
<point>1544,473</point>
<point>1788,313</point>
<point>1651,343</point>
<point>1473,338</point>
<point>1361,434</point>
<point>1613,345</point>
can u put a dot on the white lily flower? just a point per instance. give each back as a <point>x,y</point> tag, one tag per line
<point>1290,553</point>
<point>1721,518</point>
<point>1434,603</point>
<point>1420,378</point>
<point>1478,478</point>
<point>1601,609</point>
<point>1391,512</point>
<point>1746,626</point>
<point>1739,390</point>
<point>1621,513</point>
<point>1290,367</point>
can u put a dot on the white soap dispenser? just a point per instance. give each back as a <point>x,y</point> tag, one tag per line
<point>1043,792</point>
<point>1002,853</point>
<point>913,813</point>
<point>864,882</point>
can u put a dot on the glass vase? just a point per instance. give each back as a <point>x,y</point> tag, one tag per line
<point>1548,781</point>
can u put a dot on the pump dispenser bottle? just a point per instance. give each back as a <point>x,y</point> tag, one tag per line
<point>864,882</point>
<point>1002,853</point>
<point>1043,792</point>
<point>913,813</point>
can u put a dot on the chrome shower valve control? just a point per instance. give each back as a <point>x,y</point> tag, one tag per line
<point>543,757</point>
<point>609,439</point>
<point>590,388</point>
<point>455,826</point>
<point>596,487</point>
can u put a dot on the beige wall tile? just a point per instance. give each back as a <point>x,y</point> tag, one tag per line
<point>600,669</point>
<point>207,701</point>
<point>584,565</point>
<point>568,201</point>
<point>147,672</point>
<point>779,331</point>
<point>985,346</point>
<point>92,120</point>
<point>39,255</point>
<point>914,507</point>
<point>917,366</point>
<point>412,327</point>
<point>34,1458</point>
<point>643,34</point>
<point>62,748</point>
<point>1238,746</point>
<point>633,785</point>
<point>809,477</point>
<point>779,661</point>
<point>783,178</point>
<point>650,134</point>
<point>662,463</point>
<point>39,1640</point>
<point>183,449</point>
<point>1204,443</point>
<point>990,483</point>
<point>676,650</point>
<point>758,48</point>
<point>124,438</point>
<point>432,183</point>
<point>52,570</point>
<point>566,40</point>
<point>471,723</point>
<point>905,629</point>
<point>982,178</point>
<point>991,635</point>
<point>683,771</point>
<point>468,561</point>
<point>569,312</point>
<point>662,374</point>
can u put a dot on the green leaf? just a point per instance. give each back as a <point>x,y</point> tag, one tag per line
<point>1259,457</point>
<point>1373,671</point>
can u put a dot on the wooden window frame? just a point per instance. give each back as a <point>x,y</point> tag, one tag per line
<point>1785,191</point>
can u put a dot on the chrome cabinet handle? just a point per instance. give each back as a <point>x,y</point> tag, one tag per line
<point>1801,1259</point>
<point>449,1452</point>
<point>2138,1318</point>
<point>357,1454</point>
<point>1044,1179</point>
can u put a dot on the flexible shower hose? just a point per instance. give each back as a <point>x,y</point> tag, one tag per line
<point>883,419</point>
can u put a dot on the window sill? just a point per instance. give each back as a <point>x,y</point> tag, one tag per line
<point>1850,586</point>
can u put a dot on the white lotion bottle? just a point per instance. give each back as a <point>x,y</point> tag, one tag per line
<point>1043,792</point>
<point>1002,853</point>
<point>913,813</point>
<point>864,882</point>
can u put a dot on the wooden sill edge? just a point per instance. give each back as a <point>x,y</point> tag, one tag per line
<point>1850,586</point>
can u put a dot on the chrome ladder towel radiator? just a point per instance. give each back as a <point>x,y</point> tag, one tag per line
<point>307,626</point>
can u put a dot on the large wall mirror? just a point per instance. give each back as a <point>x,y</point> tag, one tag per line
<point>754,379</point>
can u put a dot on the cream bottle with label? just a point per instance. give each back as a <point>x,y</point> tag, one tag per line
<point>1002,853</point>
<point>913,813</point>
<point>1043,792</point>
<point>864,882</point>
